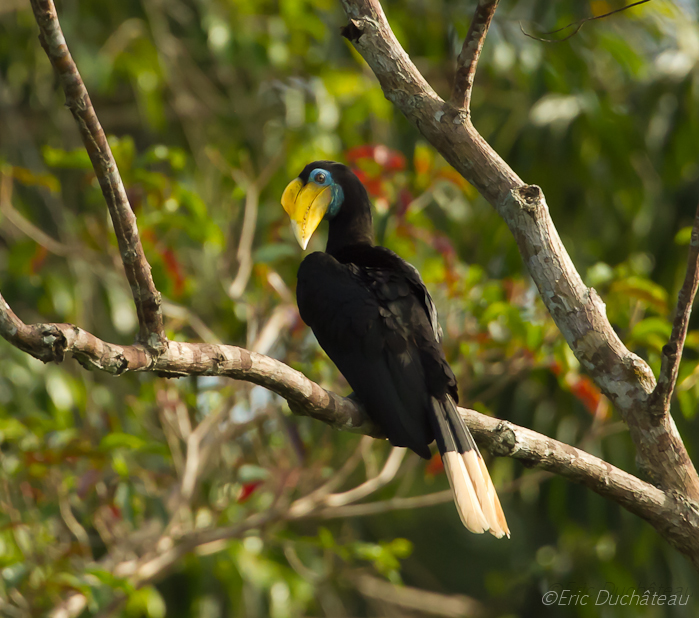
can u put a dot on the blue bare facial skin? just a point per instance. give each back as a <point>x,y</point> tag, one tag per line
<point>324,178</point>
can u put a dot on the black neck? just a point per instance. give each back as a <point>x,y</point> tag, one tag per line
<point>345,231</point>
<point>352,225</point>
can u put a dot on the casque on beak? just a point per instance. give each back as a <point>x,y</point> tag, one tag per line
<point>306,205</point>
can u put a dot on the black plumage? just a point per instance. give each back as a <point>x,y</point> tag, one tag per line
<point>373,316</point>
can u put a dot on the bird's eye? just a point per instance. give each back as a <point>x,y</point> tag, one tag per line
<point>320,178</point>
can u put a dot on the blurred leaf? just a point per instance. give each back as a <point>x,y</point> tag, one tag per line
<point>121,440</point>
<point>73,159</point>
<point>652,332</point>
<point>643,290</point>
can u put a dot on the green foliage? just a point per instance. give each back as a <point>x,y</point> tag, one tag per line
<point>202,99</point>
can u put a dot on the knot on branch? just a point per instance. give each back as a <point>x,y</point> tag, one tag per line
<point>639,373</point>
<point>55,344</point>
<point>670,350</point>
<point>529,198</point>
<point>689,507</point>
<point>157,342</point>
<point>504,440</point>
<point>353,30</point>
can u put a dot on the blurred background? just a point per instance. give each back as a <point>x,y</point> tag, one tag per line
<point>212,107</point>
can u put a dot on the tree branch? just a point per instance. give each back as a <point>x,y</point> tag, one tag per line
<point>51,343</point>
<point>577,310</point>
<point>676,518</point>
<point>659,401</point>
<point>138,273</point>
<point>418,600</point>
<point>467,60</point>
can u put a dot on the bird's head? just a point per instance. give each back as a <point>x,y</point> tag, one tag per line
<point>322,190</point>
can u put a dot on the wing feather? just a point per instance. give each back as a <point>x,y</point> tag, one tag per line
<point>365,330</point>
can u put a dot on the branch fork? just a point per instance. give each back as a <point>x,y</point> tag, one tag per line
<point>138,272</point>
<point>467,61</point>
<point>660,398</point>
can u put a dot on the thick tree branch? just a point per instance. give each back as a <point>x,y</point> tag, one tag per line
<point>672,515</point>
<point>577,310</point>
<point>51,342</point>
<point>467,60</point>
<point>138,273</point>
<point>659,401</point>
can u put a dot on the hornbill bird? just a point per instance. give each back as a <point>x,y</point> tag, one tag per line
<point>373,316</point>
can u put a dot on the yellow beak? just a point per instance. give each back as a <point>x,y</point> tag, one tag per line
<point>306,206</point>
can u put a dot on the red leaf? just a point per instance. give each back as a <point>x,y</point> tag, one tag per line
<point>556,368</point>
<point>38,258</point>
<point>405,198</point>
<point>443,245</point>
<point>390,160</point>
<point>585,390</point>
<point>372,184</point>
<point>434,466</point>
<point>359,152</point>
<point>247,490</point>
<point>174,270</point>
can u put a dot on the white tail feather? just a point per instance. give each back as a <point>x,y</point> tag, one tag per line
<point>487,496</point>
<point>499,513</point>
<point>465,496</point>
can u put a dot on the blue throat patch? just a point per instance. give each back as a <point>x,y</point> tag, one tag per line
<point>338,198</point>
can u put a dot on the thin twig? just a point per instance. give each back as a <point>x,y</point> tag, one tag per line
<point>418,600</point>
<point>578,24</point>
<point>71,521</point>
<point>24,225</point>
<point>316,500</point>
<point>659,400</point>
<point>467,60</point>
<point>179,312</point>
<point>387,474</point>
<point>253,188</point>
<point>166,552</point>
<point>247,235</point>
<point>310,502</point>
<point>146,296</point>
<point>281,320</point>
<point>384,506</point>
